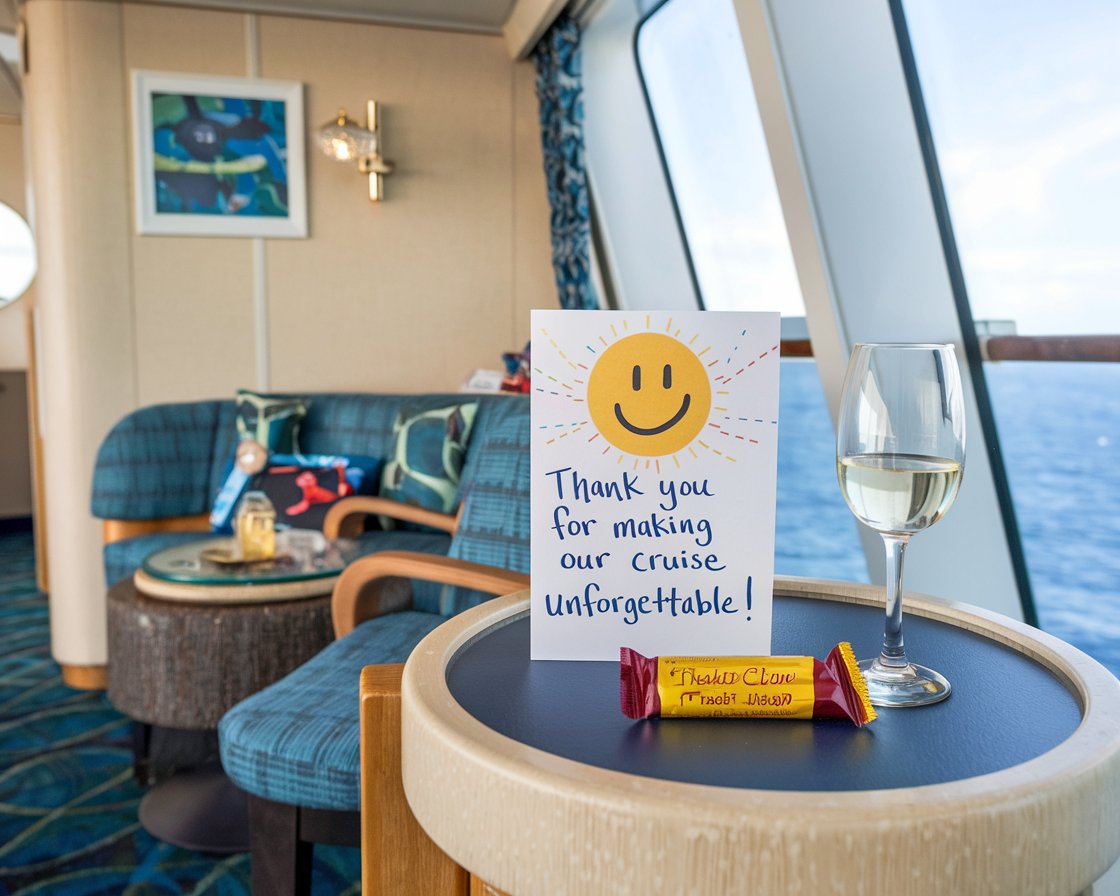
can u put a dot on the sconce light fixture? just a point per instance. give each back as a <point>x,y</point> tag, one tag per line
<point>345,140</point>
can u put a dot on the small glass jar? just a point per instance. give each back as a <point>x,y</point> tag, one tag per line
<point>256,527</point>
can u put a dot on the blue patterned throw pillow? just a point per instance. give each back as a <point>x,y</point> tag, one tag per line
<point>431,444</point>
<point>269,424</point>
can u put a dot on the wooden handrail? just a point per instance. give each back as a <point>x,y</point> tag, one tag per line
<point>797,348</point>
<point>1104,347</point>
<point>1050,348</point>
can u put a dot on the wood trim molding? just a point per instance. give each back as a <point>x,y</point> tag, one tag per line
<point>119,530</point>
<point>479,887</point>
<point>397,856</point>
<point>84,678</point>
<point>39,520</point>
<point>1051,348</point>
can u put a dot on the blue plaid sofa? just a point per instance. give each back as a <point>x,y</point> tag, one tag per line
<point>159,469</point>
<point>294,746</point>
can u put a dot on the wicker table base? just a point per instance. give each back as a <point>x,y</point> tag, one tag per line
<point>183,665</point>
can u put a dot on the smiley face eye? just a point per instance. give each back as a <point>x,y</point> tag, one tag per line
<point>637,378</point>
<point>667,377</point>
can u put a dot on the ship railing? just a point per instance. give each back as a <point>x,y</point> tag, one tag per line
<point>1015,348</point>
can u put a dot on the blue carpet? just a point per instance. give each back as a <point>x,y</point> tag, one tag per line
<point>68,799</point>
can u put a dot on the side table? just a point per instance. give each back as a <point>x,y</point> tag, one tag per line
<point>187,644</point>
<point>528,775</point>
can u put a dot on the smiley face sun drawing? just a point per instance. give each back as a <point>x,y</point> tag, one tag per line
<point>653,482</point>
<point>648,390</point>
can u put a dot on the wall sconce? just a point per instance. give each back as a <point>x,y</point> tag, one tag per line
<point>345,140</point>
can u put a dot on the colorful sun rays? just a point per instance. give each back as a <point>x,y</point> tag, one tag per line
<point>677,418</point>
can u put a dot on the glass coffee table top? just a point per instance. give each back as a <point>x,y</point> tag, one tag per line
<point>300,556</point>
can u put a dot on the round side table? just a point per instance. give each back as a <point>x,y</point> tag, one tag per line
<point>527,773</point>
<point>187,640</point>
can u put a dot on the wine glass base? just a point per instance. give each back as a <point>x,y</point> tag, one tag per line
<point>909,685</point>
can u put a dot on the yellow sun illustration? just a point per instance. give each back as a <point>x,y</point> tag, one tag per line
<point>651,394</point>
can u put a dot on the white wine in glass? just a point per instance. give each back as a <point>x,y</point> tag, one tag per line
<point>899,459</point>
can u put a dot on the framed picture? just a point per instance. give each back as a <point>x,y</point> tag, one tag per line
<point>218,156</point>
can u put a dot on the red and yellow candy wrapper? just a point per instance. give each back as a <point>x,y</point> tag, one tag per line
<point>773,687</point>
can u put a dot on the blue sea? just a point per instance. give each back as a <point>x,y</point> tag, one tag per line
<point>1059,428</point>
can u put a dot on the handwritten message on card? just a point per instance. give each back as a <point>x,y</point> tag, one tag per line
<point>654,468</point>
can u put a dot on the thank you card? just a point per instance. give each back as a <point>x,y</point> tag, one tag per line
<point>654,468</point>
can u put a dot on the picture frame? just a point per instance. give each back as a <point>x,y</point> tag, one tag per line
<point>218,156</point>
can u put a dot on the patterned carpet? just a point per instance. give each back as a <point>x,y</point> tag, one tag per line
<point>68,800</point>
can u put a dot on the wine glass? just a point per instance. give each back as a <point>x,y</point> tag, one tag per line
<point>899,459</point>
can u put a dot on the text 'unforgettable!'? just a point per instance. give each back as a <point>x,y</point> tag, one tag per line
<point>654,465</point>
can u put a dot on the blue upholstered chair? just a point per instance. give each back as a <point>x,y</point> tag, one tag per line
<point>293,747</point>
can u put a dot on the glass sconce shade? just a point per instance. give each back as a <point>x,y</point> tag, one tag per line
<point>346,140</point>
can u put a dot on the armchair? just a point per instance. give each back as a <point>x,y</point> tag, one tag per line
<point>294,746</point>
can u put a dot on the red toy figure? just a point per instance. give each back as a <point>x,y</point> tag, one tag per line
<point>313,493</point>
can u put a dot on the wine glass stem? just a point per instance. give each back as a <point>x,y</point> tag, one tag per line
<point>894,652</point>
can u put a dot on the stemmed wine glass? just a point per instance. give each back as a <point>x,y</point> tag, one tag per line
<point>899,459</point>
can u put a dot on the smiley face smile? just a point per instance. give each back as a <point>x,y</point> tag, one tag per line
<point>652,431</point>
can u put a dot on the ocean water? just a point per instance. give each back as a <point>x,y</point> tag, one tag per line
<point>1059,428</point>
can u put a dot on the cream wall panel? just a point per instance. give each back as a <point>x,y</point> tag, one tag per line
<point>410,294</point>
<point>13,192</point>
<point>87,367</point>
<point>194,318</point>
<point>415,292</point>
<point>194,296</point>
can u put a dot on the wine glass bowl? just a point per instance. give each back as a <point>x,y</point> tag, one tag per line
<point>899,461</point>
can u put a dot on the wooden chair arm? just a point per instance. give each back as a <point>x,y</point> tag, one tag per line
<point>370,586</point>
<point>119,530</point>
<point>344,517</point>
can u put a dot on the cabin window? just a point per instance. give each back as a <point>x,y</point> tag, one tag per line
<point>699,89</point>
<point>1023,105</point>
<point>702,105</point>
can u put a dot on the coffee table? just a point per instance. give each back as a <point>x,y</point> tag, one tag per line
<point>188,639</point>
<point>1012,785</point>
<point>184,573</point>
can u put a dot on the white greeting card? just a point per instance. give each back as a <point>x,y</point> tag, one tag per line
<point>654,469</point>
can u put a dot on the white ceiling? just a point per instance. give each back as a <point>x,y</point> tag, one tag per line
<point>463,15</point>
<point>486,16</point>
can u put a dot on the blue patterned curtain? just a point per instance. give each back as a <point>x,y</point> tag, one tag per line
<point>560,92</point>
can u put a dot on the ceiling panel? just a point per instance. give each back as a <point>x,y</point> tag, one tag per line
<point>466,15</point>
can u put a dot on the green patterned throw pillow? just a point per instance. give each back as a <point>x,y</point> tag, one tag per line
<point>271,420</point>
<point>431,444</point>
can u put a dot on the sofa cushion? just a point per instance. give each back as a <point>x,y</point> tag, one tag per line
<point>427,459</point>
<point>159,462</point>
<point>296,741</point>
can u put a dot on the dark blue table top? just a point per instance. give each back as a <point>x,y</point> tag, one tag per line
<point>1004,710</point>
